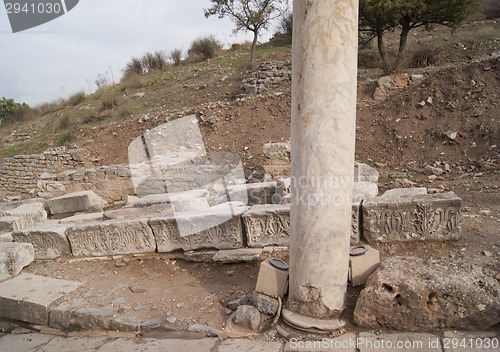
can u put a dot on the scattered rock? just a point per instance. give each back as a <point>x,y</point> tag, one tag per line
<point>430,170</point>
<point>415,294</point>
<point>235,303</point>
<point>136,289</point>
<point>484,212</point>
<point>249,316</point>
<point>202,328</point>
<point>14,257</point>
<point>265,304</point>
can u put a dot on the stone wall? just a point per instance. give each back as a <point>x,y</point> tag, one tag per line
<point>268,75</point>
<point>22,172</point>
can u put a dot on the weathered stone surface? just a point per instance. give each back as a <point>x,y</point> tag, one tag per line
<point>6,237</point>
<point>218,228</point>
<point>92,318</point>
<point>185,205</point>
<point>363,190</point>
<point>125,324</point>
<point>343,343</point>
<point>412,218</point>
<point>86,201</point>
<point>150,345</point>
<point>267,225</point>
<point>27,297</point>
<point>265,304</point>
<point>356,222</point>
<point>14,257</point>
<point>93,217</point>
<point>251,193</point>
<point>112,237</point>
<point>474,341</point>
<point>153,199</point>
<point>13,205</point>
<point>28,215</point>
<point>365,173</point>
<point>397,342</point>
<point>237,255</point>
<point>156,210</point>
<point>232,345</point>
<point>417,295</point>
<point>248,315</point>
<point>49,241</point>
<point>405,192</point>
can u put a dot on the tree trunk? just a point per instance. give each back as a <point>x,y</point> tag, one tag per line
<point>381,50</point>
<point>254,48</point>
<point>403,38</point>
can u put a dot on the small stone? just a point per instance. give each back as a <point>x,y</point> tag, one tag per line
<point>487,254</point>
<point>234,304</point>
<point>484,212</point>
<point>171,320</point>
<point>136,289</point>
<point>498,277</point>
<point>179,305</point>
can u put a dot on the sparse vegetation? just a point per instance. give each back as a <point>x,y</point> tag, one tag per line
<point>76,98</point>
<point>65,122</point>
<point>426,56</point>
<point>109,101</point>
<point>205,47</point>
<point>176,56</point>
<point>249,15</point>
<point>133,81</point>
<point>490,9</point>
<point>148,63</point>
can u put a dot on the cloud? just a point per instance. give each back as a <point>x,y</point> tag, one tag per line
<point>61,56</point>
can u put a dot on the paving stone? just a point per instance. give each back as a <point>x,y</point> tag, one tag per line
<point>152,199</point>
<point>232,345</point>
<point>71,203</point>
<point>158,345</point>
<point>251,193</point>
<point>416,342</point>
<point>81,218</point>
<point>479,341</point>
<point>111,238</point>
<point>74,344</point>
<point>217,227</point>
<point>24,343</point>
<point>412,218</point>
<point>49,241</point>
<point>344,343</point>
<point>14,257</point>
<point>28,297</point>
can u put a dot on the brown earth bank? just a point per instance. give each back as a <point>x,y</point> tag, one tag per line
<point>458,124</point>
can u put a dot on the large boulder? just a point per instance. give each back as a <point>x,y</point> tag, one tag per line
<point>415,294</point>
<point>14,257</point>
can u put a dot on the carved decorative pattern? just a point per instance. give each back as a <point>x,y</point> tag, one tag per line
<point>269,229</point>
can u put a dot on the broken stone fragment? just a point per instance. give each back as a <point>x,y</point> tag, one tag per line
<point>14,257</point>
<point>70,204</point>
<point>417,295</point>
<point>248,316</point>
<point>265,304</point>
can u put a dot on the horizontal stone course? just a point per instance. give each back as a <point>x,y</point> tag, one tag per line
<point>49,241</point>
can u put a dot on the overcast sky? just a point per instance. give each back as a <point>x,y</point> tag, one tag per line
<point>65,55</point>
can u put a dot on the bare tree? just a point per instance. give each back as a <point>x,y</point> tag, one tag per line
<point>249,15</point>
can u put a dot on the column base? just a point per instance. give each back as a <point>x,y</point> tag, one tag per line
<point>311,324</point>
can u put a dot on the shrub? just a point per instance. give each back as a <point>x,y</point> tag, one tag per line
<point>66,138</point>
<point>131,82</point>
<point>76,98</point>
<point>426,56</point>
<point>109,101</point>
<point>148,63</point>
<point>206,47</point>
<point>65,122</point>
<point>175,56</point>
<point>134,67</point>
<point>47,108</point>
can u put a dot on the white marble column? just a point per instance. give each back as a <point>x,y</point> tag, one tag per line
<point>323,137</point>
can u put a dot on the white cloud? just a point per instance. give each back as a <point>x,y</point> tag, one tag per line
<point>45,62</point>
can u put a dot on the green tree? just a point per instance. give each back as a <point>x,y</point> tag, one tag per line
<point>378,16</point>
<point>249,15</point>
<point>8,109</point>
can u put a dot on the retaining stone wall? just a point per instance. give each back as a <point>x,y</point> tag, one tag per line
<point>268,75</point>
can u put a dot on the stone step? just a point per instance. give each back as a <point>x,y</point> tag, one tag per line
<point>29,297</point>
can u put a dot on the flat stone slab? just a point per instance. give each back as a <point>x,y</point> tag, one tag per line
<point>411,342</point>
<point>157,345</point>
<point>412,218</point>
<point>28,297</point>
<point>232,345</point>
<point>72,203</point>
<point>365,173</point>
<point>49,241</point>
<point>156,210</point>
<point>420,295</point>
<point>218,227</point>
<point>152,199</point>
<point>237,255</point>
<point>14,257</point>
<point>344,343</point>
<point>111,238</point>
<point>250,193</point>
<point>24,342</point>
